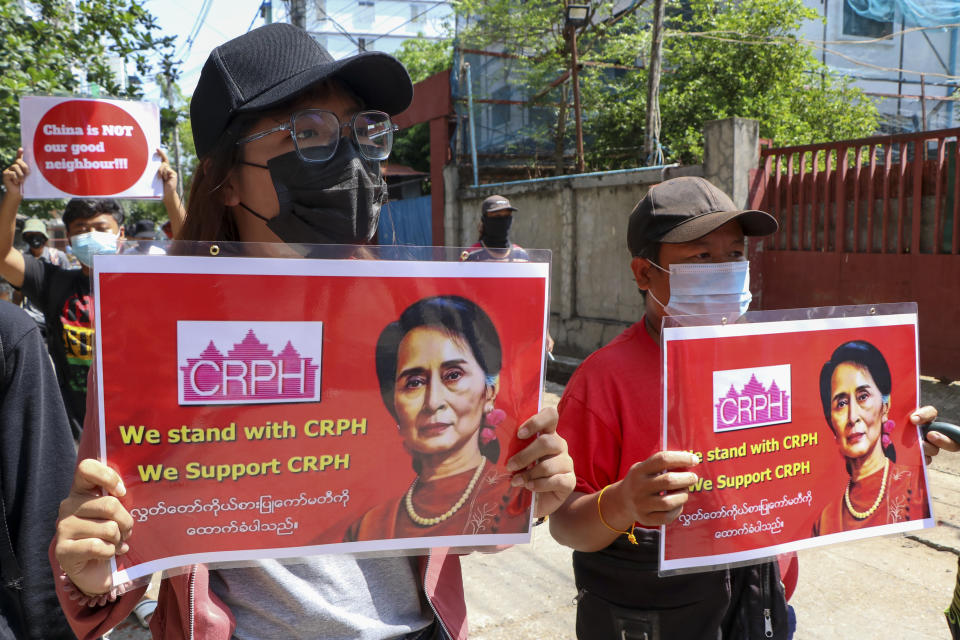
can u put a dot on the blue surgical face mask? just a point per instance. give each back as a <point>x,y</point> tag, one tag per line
<point>708,288</point>
<point>87,245</point>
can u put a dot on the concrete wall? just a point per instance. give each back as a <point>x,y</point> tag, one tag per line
<point>730,152</point>
<point>583,220</point>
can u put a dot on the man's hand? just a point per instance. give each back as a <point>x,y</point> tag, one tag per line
<point>166,173</point>
<point>654,491</point>
<point>11,260</point>
<point>171,199</point>
<point>14,175</point>
<point>934,441</point>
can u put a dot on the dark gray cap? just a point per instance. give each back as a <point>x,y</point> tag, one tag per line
<point>495,203</point>
<point>684,209</point>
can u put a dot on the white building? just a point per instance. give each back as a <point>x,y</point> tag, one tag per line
<point>346,27</point>
<point>889,68</point>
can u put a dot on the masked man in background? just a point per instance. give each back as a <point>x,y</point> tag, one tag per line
<point>35,235</point>
<point>496,217</point>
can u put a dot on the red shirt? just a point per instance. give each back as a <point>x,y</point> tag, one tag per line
<point>610,416</point>
<point>610,410</point>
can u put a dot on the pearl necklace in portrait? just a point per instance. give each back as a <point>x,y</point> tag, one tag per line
<point>869,512</point>
<point>429,522</point>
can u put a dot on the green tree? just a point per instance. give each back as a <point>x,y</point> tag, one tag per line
<point>721,58</point>
<point>60,46</point>
<point>535,55</point>
<point>743,59</point>
<point>422,58</point>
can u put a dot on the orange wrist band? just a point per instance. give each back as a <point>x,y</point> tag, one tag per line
<point>630,536</point>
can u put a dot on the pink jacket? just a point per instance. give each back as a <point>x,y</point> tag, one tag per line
<point>188,609</point>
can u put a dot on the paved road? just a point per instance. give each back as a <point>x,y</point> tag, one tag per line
<point>892,587</point>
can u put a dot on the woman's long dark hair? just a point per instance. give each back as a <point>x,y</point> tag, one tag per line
<point>862,353</point>
<point>208,218</point>
<point>456,316</point>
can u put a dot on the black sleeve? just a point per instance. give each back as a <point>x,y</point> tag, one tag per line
<point>37,459</point>
<point>34,280</point>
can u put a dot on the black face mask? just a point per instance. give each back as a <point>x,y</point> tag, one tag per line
<point>496,231</point>
<point>35,242</point>
<point>333,202</point>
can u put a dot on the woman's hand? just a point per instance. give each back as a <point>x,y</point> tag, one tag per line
<point>92,528</point>
<point>934,441</point>
<point>543,466</point>
<point>14,175</point>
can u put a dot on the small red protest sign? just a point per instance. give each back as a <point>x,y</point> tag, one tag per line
<point>90,148</point>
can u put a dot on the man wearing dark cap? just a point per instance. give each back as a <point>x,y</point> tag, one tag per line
<point>610,417</point>
<point>35,235</point>
<point>145,233</point>
<point>496,217</point>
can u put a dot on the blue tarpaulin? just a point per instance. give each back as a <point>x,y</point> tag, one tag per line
<point>920,13</point>
<point>406,222</point>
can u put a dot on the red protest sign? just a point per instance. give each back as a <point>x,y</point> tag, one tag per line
<point>90,148</point>
<point>315,406</point>
<point>803,432</point>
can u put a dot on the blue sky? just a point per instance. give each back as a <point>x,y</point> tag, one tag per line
<point>225,19</point>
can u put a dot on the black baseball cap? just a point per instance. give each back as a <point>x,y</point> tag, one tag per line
<point>144,229</point>
<point>684,209</point>
<point>274,63</point>
<point>495,203</point>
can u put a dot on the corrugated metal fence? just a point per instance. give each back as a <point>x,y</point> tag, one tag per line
<point>867,221</point>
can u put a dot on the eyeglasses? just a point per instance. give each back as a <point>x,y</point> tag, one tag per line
<point>316,134</point>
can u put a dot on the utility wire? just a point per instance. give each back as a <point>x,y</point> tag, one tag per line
<point>339,27</point>
<point>255,16</point>
<point>405,23</point>
<point>887,38</point>
<point>195,30</point>
<point>813,44</point>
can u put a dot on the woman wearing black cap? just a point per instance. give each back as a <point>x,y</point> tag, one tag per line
<point>290,142</point>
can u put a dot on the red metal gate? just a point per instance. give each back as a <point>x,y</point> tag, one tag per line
<point>866,221</point>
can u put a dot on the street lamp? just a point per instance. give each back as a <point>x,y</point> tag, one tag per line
<point>576,16</point>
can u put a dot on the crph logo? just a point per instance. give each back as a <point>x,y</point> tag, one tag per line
<point>248,362</point>
<point>751,397</point>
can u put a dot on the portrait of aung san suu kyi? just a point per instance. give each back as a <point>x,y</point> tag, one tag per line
<point>438,366</point>
<point>855,391</point>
